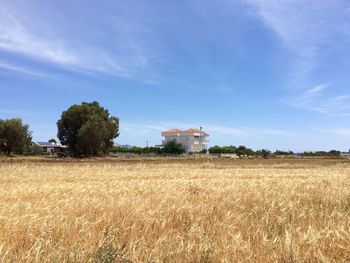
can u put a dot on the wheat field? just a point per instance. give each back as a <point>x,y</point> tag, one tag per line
<point>174,210</point>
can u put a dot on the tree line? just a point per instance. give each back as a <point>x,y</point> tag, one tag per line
<point>171,147</point>
<point>244,151</point>
<point>239,151</point>
<point>88,129</point>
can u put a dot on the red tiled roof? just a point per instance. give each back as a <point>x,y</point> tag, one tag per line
<point>192,130</point>
<point>173,130</point>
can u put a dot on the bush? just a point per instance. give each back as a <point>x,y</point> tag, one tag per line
<point>332,153</point>
<point>204,151</point>
<point>137,150</point>
<point>241,150</point>
<point>35,149</point>
<point>215,149</point>
<point>278,152</point>
<point>172,147</point>
<point>263,152</point>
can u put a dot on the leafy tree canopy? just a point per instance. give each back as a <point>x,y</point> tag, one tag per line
<point>172,147</point>
<point>279,152</point>
<point>87,128</point>
<point>240,150</point>
<point>14,136</point>
<point>263,152</point>
<point>137,150</point>
<point>332,153</point>
<point>52,141</point>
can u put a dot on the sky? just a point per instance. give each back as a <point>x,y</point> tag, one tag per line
<point>261,73</point>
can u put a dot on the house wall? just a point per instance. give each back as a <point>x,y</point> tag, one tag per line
<point>52,150</point>
<point>192,142</point>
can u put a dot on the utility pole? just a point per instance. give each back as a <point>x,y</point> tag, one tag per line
<point>147,143</point>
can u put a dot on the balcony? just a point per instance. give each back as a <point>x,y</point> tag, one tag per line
<point>200,141</point>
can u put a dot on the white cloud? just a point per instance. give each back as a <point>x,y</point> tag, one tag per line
<point>22,70</point>
<point>139,133</point>
<point>47,46</point>
<point>310,139</point>
<point>344,132</point>
<point>305,27</point>
<point>309,97</point>
<point>317,100</point>
<point>247,132</point>
<point>15,37</point>
<point>340,98</point>
<point>314,91</point>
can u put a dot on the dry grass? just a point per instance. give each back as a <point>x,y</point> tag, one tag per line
<point>175,211</point>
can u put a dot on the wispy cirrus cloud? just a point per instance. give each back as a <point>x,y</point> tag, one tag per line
<point>16,37</point>
<point>43,44</point>
<point>311,30</point>
<point>22,70</point>
<point>138,133</point>
<point>248,132</point>
<point>317,100</point>
<point>21,113</point>
<point>311,138</point>
<point>307,28</point>
<point>335,131</point>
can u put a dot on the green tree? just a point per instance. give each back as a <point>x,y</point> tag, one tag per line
<point>278,152</point>
<point>14,136</point>
<point>333,153</point>
<point>172,147</point>
<point>204,151</point>
<point>263,152</point>
<point>229,149</point>
<point>2,139</point>
<point>52,141</point>
<point>215,149</point>
<point>35,149</point>
<point>241,150</point>
<point>137,150</point>
<point>87,128</point>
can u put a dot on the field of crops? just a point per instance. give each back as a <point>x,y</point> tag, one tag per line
<point>174,210</point>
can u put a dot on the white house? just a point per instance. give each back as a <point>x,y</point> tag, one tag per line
<point>193,140</point>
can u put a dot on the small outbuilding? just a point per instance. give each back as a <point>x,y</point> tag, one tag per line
<point>51,147</point>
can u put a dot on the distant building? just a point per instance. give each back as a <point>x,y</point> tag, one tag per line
<point>193,140</point>
<point>345,155</point>
<point>51,147</point>
<point>128,146</point>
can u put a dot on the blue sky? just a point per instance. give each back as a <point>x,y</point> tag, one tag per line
<point>262,73</point>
